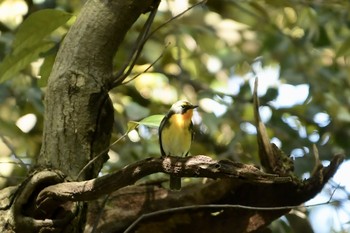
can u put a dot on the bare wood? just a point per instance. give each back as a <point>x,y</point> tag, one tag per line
<point>238,183</point>
<point>146,199</point>
<point>193,166</point>
<point>272,159</point>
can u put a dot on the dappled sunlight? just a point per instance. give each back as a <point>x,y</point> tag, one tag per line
<point>290,95</point>
<point>134,136</point>
<point>322,119</point>
<point>7,163</point>
<point>214,64</point>
<point>6,168</point>
<point>155,86</point>
<point>276,141</point>
<point>12,12</point>
<point>175,6</point>
<point>265,113</point>
<point>299,152</point>
<point>314,137</point>
<point>26,122</point>
<point>268,77</point>
<point>248,127</point>
<point>189,42</point>
<point>211,106</point>
<point>172,69</point>
<point>228,30</point>
<point>287,20</point>
<point>295,124</point>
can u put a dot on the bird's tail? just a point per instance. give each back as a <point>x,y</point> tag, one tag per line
<point>175,183</point>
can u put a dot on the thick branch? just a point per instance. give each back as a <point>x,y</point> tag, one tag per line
<point>239,184</point>
<point>194,166</point>
<point>133,201</point>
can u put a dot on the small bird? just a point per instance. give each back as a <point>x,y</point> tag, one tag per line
<point>176,134</point>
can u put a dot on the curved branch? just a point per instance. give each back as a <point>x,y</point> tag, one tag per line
<point>192,166</point>
<point>245,201</point>
<point>238,184</point>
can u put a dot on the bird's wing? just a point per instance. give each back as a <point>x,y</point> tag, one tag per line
<point>163,124</point>
<point>192,132</point>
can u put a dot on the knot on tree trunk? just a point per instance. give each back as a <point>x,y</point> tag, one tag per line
<point>20,206</point>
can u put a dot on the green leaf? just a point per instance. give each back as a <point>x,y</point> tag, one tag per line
<point>344,48</point>
<point>151,121</point>
<point>132,125</point>
<point>37,26</point>
<point>260,10</point>
<point>343,114</point>
<point>29,41</point>
<point>13,63</point>
<point>45,70</point>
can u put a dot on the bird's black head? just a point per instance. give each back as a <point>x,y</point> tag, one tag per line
<point>181,107</point>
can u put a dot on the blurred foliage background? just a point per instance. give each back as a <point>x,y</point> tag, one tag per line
<point>299,50</point>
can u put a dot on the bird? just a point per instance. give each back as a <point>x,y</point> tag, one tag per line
<point>176,134</point>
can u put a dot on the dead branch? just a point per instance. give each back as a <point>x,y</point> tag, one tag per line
<point>167,212</point>
<point>193,166</point>
<point>235,183</point>
<point>272,159</point>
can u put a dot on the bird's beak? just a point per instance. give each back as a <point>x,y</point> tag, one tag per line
<point>194,106</point>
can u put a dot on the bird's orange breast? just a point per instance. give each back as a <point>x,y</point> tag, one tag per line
<point>182,120</point>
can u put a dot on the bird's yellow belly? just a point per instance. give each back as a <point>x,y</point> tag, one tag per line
<point>176,140</point>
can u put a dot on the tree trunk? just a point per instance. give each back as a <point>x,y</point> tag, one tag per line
<point>78,115</point>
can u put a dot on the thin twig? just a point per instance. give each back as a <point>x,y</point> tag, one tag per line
<point>149,67</point>
<point>100,154</point>
<point>12,149</point>
<point>332,194</point>
<point>318,164</point>
<point>175,17</point>
<point>14,162</point>
<point>140,42</point>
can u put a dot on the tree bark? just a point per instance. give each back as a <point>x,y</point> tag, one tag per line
<point>78,115</point>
